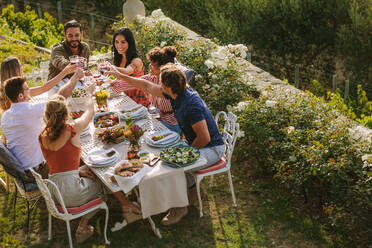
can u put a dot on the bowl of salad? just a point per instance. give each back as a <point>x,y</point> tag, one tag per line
<point>179,156</point>
<point>78,96</point>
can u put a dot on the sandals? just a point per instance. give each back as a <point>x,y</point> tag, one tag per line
<point>83,233</point>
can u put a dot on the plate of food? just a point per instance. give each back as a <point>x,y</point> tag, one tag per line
<point>112,135</point>
<point>179,156</point>
<point>127,174</point>
<point>136,112</point>
<point>162,138</point>
<point>106,120</point>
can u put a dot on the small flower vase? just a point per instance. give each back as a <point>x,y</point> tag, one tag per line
<point>102,104</point>
<point>133,149</point>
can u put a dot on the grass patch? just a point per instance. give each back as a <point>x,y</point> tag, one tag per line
<point>265,217</point>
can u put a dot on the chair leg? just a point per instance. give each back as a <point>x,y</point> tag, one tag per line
<point>69,233</point>
<point>49,226</point>
<point>15,203</point>
<point>198,180</point>
<point>7,181</point>
<point>106,222</point>
<point>28,216</point>
<point>232,188</point>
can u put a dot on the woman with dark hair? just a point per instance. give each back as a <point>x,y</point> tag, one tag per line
<point>127,60</point>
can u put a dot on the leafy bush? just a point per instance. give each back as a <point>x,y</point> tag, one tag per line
<point>297,31</point>
<point>28,27</point>
<point>27,54</point>
<point>359,109</point>
<point>307,146</point>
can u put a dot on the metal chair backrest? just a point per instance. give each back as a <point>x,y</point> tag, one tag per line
<point>229,133</point>
<point>43,186</point>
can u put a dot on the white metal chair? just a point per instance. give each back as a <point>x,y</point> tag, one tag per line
<point>64,213</point>
<point>230,133</point>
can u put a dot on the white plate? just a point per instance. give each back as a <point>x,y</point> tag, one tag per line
<point>171,136</point>
<point>106,165</point>
<point>172,142</point>
<point>97,157</point>
<point>137,114</point>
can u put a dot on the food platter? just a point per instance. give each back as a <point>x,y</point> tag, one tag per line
<point>112,135</point>
<point>106,120</point>
<point>179,156</point>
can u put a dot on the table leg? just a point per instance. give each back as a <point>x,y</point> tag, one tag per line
<point>154,229</point>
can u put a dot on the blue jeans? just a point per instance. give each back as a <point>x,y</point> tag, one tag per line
<point>174,128</point>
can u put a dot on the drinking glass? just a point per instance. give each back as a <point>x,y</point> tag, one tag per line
<point>82,63</point>
<point>74,59</point>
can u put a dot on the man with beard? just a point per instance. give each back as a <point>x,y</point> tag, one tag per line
<point>72,45</point>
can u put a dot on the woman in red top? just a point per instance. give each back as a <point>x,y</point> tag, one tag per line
<point>60,144</point>
<point>127,60</point>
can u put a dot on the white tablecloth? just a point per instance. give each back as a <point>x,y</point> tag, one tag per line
<point>160,189</point>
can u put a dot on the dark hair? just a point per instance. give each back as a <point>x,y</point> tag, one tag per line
<point>72,24</point>
<point>132,51</point>
<point>162,56</point>
<point>14,87</point>
<point>174,78</point>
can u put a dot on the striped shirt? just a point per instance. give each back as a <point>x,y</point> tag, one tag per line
<point>138,96</point>
<point>162,104</point>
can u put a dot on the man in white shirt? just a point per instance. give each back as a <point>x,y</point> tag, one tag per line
<point>23,122</point>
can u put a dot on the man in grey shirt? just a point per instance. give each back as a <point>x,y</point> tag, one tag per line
<point>72,45</point>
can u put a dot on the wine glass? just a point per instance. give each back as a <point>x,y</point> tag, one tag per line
<point>74,59</point>
<point>82,63</point>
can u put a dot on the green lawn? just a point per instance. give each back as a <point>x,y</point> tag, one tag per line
<point>265,217</point>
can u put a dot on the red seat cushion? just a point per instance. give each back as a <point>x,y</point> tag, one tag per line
<point>216,166</point>
<point>76,210</point>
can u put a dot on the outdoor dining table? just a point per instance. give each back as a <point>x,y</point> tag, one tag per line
<point>162,188</point>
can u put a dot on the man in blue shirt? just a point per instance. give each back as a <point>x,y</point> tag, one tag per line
<point>193,117</point>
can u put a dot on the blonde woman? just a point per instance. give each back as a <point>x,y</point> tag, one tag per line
<point>60,144</point>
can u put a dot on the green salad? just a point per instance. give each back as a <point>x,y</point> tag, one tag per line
<point>181,155</point>
<point>76,93</point>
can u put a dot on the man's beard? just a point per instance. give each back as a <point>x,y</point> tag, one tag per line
<point>73,46</point>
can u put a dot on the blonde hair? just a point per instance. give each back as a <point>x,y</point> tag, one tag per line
<point>10,67</point>
<point>55,117</point>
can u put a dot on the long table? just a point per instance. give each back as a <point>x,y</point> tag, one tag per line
<point>158,183</point>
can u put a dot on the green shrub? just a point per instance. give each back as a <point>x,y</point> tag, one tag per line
<point>306,144</point>
<point>28,27</point>
<point>295,31</point>
<point>27,54</point>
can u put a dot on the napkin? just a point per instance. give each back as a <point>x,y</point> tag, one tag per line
<point>101,156</point>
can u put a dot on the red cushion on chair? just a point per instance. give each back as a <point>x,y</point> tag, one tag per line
<point>76,210</point>
<point>216,166</point>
